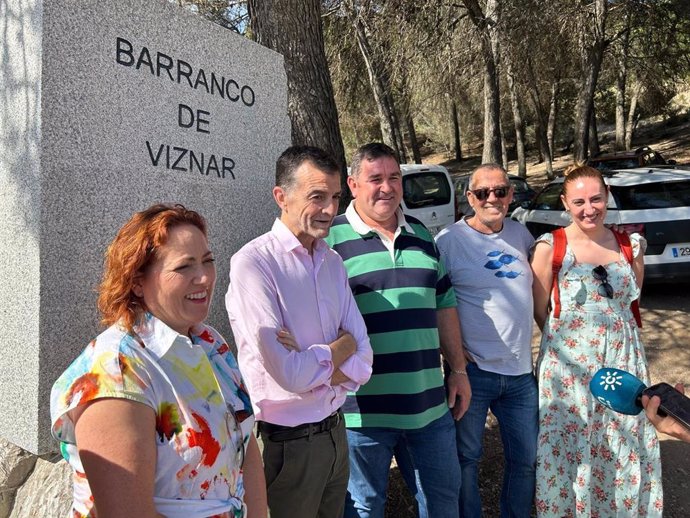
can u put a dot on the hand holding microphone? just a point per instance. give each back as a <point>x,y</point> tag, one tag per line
<point>624,393</point>
<point>668,424</point>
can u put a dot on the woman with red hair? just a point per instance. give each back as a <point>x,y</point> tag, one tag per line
<point>153,415</point>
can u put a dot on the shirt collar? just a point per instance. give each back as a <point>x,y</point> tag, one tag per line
<point>362,228</point>
<point>157,336</point>
<point>289,241</point>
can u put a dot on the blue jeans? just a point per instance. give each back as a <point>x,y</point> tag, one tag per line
<point>437,473</point>
<point>411,477</point>
<point>514,402</point>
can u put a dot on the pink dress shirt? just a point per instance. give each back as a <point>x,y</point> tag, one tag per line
<point>276,284</point>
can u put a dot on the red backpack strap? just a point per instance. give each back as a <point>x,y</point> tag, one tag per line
<point>625,246</point>
<point>559,243</point>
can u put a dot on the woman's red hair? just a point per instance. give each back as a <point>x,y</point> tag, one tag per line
<point>129,255</point>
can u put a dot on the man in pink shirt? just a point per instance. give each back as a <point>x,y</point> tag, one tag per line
<point>302,343</point>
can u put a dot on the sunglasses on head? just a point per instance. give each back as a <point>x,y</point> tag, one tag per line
<point>483,193</point>
<point>604,289</point>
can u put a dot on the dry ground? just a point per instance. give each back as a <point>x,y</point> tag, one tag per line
<point>672,141</point>
<point>666,318</point>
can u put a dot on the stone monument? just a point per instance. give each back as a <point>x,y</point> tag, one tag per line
<point>108,107</point>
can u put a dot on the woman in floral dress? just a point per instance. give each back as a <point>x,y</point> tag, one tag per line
<point>591,461</point>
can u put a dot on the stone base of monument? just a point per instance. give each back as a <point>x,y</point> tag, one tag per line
<point>33,485</point>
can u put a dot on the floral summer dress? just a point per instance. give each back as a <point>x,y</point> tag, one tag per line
<point>591,461</point>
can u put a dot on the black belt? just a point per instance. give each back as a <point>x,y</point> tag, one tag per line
<point>279,433</point>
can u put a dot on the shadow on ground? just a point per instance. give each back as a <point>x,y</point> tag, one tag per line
<point>676,480</point>
<point>401,504</point>
<point>665,312</point>
<point>676,475</point>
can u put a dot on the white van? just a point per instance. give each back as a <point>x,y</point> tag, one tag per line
<point>428,195</point>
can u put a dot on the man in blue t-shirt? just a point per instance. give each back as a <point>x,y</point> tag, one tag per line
<point>486,256</point>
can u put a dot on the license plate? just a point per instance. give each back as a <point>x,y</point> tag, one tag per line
<point>681,251</point>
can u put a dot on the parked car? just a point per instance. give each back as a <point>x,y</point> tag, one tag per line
<point>522,193</point>
<point>428,195</point>
<point>653,202</point>
<point>640,157</point>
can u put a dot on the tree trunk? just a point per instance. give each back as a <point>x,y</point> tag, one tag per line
<point>488,35</point>
<point>492,113</point>
<point>621,82</point>
<point>582,117</point>
<point>553,114</point>
<point>632,116</point>
<point>518,121</point>
<point>293,28</point>
<point>621,78</point>
<point>456,131</point>
<point>411,133</point>
<point>377,87</point>
<point>541,122</point>
<point>543,142</point>
<point>398,132</point>
<point>416,154</point>
<point>591,56</point>
<point>593,134</point>
<point>378,79</point>
<point>492,95</point>
<point>504,150</point>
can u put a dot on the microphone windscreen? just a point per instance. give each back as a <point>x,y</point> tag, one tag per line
<point>617,389</point>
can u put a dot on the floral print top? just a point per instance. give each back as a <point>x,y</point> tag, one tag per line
<point>203,413</point>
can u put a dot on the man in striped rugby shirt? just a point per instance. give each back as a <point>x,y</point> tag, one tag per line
<point>408,305</point>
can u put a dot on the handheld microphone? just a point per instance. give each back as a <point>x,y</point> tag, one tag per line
<point>618,390</point>
<point>622,392</point>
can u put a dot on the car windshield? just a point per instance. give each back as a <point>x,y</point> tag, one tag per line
<point>461,186</point>
<point>549,198</point>
<point>621,163</point>
<point>519,185</point>
<point>653,195</point>
<point>427,189</point>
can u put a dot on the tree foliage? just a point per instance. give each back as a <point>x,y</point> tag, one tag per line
<point>231,14</point>
<point>518,75</point>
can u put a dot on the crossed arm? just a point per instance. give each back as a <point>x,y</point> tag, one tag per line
<point>351,353</point>
<point>341,349</point>
<point>256,305</point>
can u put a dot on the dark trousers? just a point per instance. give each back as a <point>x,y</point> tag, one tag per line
<point>307,478</point>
